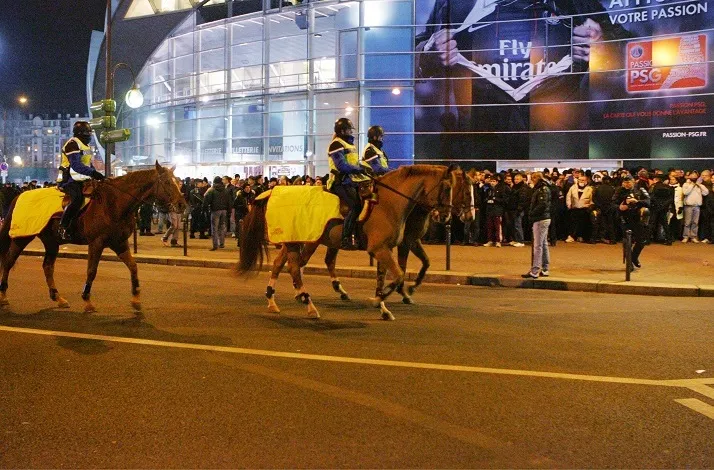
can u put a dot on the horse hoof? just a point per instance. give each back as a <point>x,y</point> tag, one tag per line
<point>387,316</point>
<point>89,308</point>
<point>375,301</point>
<point>312,312</point>
<point>273,309</point>
<point>411,290</point>
<point>136,306</point>
<point>4,302</point>
<point>407,300</point>
<point>62,303</point>
<point>344,297</point>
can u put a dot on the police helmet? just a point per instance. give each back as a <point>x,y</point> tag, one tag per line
<point>374,133</point>
<point>82,129</point>
<point>342,125</point>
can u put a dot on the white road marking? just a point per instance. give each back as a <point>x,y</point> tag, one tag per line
<point>698,406</point>
<point>354,360</point>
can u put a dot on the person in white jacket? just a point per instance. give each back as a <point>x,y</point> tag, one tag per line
<point>693,191</point>
<point>579,201</point>
<point>675,222</point>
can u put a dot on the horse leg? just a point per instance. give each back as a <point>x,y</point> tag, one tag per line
<point>331,262</point>
<point>403,255</point>
<point>95,253</point>
<point>278,264</point>
<point>124,253</point>
<point>419,252</point>
<point>385,257</point>
<point>48,266</point>
<point>377,301</point>
<point>8,261</point>
<point>294,258</point>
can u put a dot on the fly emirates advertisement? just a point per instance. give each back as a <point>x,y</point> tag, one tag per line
<point>564,79</point>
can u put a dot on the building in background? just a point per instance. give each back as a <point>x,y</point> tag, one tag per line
<point>254,86</point>
<point>33,144</point>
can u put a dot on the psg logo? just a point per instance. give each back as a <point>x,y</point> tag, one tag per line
<point>637,52</point>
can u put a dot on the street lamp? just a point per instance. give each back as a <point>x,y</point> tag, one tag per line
<point>22,100</point>
<point>17,160</point>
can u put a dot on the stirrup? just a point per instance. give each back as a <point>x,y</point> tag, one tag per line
<point>348,245</point>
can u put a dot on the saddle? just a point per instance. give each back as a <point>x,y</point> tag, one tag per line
<point>368,198</point>
<point>88,189</point>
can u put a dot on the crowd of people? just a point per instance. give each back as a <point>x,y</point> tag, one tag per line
<point>583,209</point>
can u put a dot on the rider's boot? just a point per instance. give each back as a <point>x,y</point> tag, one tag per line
<point>348,231</point>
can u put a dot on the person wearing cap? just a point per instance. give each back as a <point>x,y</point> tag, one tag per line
<point>629,202</point>
<point>662,204</point>
<point>218,201</point>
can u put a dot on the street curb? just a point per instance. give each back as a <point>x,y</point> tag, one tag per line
<point>444,277</point>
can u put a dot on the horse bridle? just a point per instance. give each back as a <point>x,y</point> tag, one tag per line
<point>154,189</point>
<point>423,205</point>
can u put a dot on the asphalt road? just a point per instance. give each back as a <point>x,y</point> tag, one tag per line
<point>468,378</point>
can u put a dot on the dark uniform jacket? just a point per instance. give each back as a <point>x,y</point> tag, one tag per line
<point>217,198</point>
<point>539,208</point>
<point>662,197</point>
<point>632,215</point>
<point>602,197</point>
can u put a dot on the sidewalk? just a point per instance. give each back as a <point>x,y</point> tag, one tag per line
<point>677,270</point>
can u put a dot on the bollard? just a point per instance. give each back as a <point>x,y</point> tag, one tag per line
<point>628,254</point>
<point>448,246</point>
<point>136,242</point>
<point>185,236</point>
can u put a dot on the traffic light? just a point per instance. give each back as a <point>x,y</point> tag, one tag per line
<point>104,122</point>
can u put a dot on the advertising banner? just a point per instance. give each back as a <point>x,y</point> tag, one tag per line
<point>563,79</point>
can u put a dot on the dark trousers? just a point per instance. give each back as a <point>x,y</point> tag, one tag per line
<point>658,218</point>
<point>494,229</point>
<point>580,223</point>
<point>639,236</point>
<point>74,190</point>
<point>348,194</point>
<point>604,226</point>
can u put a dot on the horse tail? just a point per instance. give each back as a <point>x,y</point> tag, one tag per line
<point>5,239</point>
<point>252,239</point>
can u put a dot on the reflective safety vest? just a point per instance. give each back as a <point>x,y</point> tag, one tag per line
<point>351,156</point>
<point>86,160</point>
<point>383,162</point>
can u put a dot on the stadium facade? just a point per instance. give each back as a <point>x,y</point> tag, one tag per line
<point>253,87</point>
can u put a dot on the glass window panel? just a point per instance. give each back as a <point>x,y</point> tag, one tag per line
<point>330,106</point>
<point>183,66</point>
<point>387,13</point>
<point>212,82</point>
<point>212,60</point>
<point>288,76</point>
<point>184,87</point>
<point>245,54</point>
<point>348,55</point>
<point>395,113</point>
<point>247,78</point>
<point>288,129</point>
<point>247,31</point>
<point>212,38</point>
<point>347,15</point>
<point>288,48</point>
<point>183,44</point>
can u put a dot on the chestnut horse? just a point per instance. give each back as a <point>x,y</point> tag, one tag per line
<point>428,186</point>
<point>107,221</point>
<point>415,228</point>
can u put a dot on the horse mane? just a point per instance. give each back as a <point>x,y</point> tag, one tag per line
<point>416,170</point>
<point>136,178</point>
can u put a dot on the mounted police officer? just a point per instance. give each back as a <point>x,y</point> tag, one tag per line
<point>633,205</point>
<point>373,155</point>
<point>75,168</point>
<point>345,176</point>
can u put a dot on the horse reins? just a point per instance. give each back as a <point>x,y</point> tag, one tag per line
<point>428,207</point>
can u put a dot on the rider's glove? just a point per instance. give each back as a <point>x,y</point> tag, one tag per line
<point>97,176</point>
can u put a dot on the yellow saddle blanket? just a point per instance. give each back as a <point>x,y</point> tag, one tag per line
<point>34,210</point>
<point>299,213</point>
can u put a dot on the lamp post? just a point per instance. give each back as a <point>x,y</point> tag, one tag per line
<point>133,98</point>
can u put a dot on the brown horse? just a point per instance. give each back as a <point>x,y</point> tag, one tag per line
<point>108,221</point>
<point>415,228</point>
<point>428,186</point>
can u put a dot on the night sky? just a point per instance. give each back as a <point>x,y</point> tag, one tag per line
<point>44,47</point>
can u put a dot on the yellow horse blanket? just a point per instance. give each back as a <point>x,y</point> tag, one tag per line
<point>299,214</point>
<point>34,210</point>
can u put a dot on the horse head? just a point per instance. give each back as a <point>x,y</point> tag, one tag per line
<point>444,205</point>
<point>463,196</point>
<point>167,190</point>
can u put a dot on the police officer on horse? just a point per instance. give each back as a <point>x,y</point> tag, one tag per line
<point>75,168</point>
<point>345,175</point>
<point>373,155</point>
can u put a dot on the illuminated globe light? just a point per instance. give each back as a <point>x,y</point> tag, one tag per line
<point>396,91</point>
<point>134,98</point>
<point>22,100</point>
<point>17,159</point>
